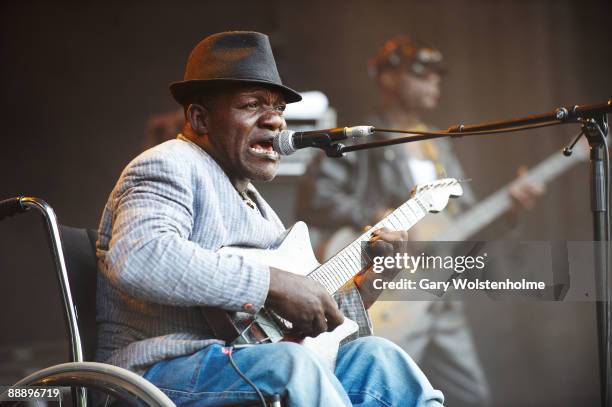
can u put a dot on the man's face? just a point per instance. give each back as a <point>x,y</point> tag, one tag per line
<point>418,92</point>
<point>242,124</point>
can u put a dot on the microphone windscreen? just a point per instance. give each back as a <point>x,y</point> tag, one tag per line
<point>283,143</point>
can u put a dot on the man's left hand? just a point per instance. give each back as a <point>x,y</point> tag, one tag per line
<point>382,243</point>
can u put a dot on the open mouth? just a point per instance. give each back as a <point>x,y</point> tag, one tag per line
<point>264,148</point>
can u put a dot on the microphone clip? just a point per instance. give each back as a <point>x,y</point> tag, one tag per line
<point>333,150</point>
<point>567,151</point>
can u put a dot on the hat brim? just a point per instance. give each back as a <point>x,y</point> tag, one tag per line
<point>182,91</point>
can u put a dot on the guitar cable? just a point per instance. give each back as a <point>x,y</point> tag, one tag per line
<point>229,351</point>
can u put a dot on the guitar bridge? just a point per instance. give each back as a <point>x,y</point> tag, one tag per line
<point>283,325</point>
<point>263,327</point>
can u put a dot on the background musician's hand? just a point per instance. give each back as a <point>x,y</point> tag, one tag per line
<point>304,302</point>
<point>382,243</point>
<point>525,194</point>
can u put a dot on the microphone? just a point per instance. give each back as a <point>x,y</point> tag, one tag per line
<point>288,142</point>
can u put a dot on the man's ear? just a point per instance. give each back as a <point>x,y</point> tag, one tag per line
<point>198,116</point>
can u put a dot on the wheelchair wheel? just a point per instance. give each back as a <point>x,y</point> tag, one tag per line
<point>111,380</point>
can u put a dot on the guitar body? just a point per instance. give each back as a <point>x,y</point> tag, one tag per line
<point>293,253</point>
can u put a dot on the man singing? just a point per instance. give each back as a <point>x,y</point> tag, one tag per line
<point>176,205</point>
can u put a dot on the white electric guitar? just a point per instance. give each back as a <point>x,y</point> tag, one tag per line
<point>294,254</point>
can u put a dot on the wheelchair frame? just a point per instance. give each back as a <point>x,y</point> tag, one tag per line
<point>113,380</point>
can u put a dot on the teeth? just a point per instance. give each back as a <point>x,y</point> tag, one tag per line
<point>270,153</point>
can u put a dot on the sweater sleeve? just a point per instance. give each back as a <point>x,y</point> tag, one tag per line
<point>149,254</point>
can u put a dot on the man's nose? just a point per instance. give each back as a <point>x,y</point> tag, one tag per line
<point>272,120</point>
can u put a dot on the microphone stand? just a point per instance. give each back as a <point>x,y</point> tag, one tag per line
<point>594,125</point>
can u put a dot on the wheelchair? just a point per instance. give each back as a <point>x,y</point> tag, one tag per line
<point>73,250</point>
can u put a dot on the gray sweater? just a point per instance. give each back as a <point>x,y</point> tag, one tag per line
<point>171,210</point>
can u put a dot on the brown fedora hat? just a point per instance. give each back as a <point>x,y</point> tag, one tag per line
<point>230,57</point>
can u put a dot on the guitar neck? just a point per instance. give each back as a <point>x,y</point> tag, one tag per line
<point>472,221</point>
<point>341,268</point>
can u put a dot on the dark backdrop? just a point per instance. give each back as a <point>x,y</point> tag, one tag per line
<point>78,82</point>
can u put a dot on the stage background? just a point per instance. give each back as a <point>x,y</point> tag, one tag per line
<point>79,81</point>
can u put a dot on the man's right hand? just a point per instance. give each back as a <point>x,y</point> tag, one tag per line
<point>303,302</point>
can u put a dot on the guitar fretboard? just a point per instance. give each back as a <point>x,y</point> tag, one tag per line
<point>335,272</point>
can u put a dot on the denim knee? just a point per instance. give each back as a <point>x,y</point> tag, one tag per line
<point>295,358</point>
<point>388,373</point>
<point>377,345</point>
<point>307,379</point>
<point>384,353</point>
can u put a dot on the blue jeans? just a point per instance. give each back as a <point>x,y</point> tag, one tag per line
<point>370,371</point>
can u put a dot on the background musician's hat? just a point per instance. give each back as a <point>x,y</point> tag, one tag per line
<point>402,52</point>
<point>230,57</point>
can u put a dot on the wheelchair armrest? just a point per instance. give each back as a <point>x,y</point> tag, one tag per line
<point>11,206</point>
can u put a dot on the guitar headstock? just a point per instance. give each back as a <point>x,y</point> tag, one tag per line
<point>435,195</point>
